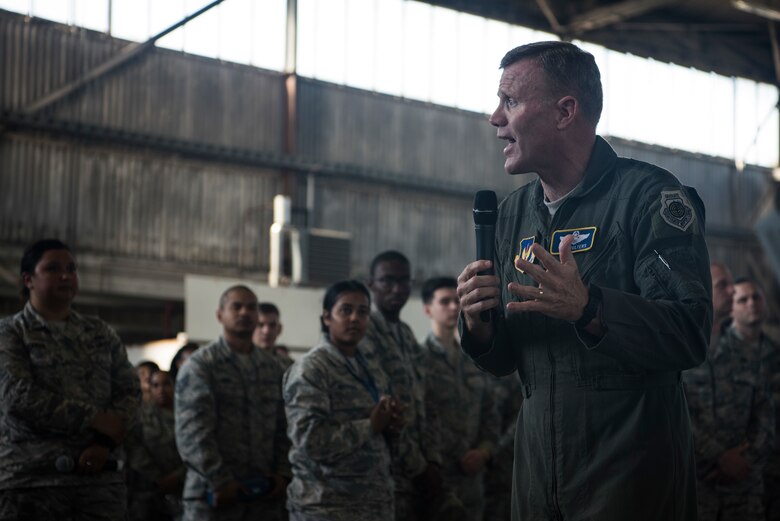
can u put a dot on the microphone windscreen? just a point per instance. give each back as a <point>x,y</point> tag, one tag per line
<point>485,207</point>
<point>65,464</point>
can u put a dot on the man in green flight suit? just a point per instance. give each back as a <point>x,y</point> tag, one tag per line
<point>600,298</point>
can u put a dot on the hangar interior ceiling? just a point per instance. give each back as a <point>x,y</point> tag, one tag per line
<point>728,37</point>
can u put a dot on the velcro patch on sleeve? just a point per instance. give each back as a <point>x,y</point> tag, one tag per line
<point>676,210</point>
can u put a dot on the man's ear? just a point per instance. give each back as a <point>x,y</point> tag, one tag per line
<point>27,280</point>
<point>280,329</point>
<point>427,310</point>
<point>219,315</point>
<point>568,108</point>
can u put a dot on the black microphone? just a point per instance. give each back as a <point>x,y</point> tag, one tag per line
<point>485,217</point>
<point>66,465</point>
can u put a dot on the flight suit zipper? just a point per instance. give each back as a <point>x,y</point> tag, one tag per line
<point>554,478</point>
<point>556,509</point>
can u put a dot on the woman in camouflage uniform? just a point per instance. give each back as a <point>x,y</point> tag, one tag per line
<point>67,397</point>
<point>338,414</point>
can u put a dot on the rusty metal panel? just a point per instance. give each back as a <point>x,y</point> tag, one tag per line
<point>120,203</point>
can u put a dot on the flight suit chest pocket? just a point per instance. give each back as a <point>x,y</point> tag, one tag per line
<point>605,264</point>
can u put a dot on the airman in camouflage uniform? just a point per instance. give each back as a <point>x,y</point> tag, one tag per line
<point>468,418</point>
<point>508,394</point>
<point>152,455</point>
<point>731,408</point>
<point>54,379</point>
<point>267,331</point>
<point>341,467</point>
<point>772,471</point>
<point>416,459</point>
<point>230,424</point>
<point>463,398</point>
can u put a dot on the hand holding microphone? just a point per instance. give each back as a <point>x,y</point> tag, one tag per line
<point>478,287</point>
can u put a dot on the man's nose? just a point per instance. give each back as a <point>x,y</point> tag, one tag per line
<point>497,118</point>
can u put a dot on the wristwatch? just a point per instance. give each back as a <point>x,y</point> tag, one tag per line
<point>591,308</point>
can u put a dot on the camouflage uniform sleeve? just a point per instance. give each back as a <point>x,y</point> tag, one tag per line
<point>310,424</point>
<point>761,430</point>
<point>125,389</point>
<point>281,441</point>
<point>490,421</point>
<point>196,420</point>
<point>139,460</point>
<point>431,436</point>
<point>22,398</point>
<point>708,448</point>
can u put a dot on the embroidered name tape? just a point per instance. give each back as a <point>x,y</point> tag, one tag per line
<point>525,252</point>
<point>583,239</point>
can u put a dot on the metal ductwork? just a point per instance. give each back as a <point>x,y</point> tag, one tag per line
<point>305,256</point>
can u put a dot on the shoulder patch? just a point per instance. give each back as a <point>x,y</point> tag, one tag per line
<point>583,239</point>
<point>676,209</point>
<point>525,252</point>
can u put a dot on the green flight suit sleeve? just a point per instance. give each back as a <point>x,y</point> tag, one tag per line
<point>495,359</point>
<point>665,326</point>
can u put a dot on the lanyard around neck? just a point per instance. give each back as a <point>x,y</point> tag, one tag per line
<point>367,382</point>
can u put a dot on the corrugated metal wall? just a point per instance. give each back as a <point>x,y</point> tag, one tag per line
<point>729,196</point>
<point>435,232</point>
<point>161,92</point>
<point>347,125</point>
<point>135,205</point>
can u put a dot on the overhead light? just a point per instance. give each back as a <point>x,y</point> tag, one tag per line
<point>762,10</point>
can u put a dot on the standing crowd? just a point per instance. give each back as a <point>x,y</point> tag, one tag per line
<point>368,424</point>
<point>732,398</point>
